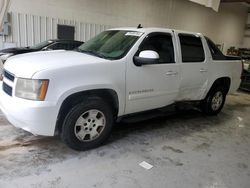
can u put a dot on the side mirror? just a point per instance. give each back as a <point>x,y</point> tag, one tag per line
<point>146,57</point>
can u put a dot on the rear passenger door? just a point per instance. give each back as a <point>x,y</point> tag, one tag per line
<point>193,66</point>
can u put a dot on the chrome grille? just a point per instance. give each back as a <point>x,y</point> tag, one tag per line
<point>8,75</point>
<point>7,88</point>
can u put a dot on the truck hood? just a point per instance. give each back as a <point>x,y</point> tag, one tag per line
<point>26,65</point>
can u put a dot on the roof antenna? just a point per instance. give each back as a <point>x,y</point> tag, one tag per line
<point>139,26</point>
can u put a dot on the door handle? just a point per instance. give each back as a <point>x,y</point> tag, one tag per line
<point>203,70</point>
<point>171,73</point>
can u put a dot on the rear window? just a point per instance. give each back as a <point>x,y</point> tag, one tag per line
<point>215,51</point>
<point>191,48</point>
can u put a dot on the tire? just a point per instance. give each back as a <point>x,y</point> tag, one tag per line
<point>88,124</point>
<point>214,101</point>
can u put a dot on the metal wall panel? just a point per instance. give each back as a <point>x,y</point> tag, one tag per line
<point>27,30</point>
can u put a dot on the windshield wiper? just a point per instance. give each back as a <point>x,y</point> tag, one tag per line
<point>92,53</point>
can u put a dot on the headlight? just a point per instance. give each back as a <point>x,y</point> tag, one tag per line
<point>4,57</point>
<point>31,89</point>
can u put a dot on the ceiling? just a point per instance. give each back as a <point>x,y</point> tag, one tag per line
<point>235,1</point>
<point>214,4</point>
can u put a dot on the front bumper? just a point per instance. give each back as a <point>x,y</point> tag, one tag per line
<point>37,117</point>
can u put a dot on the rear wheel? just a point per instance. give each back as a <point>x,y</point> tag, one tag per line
<point>88,124</point>
<point>214,101</point>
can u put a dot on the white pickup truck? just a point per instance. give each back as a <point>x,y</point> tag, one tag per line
<point>119,72</point>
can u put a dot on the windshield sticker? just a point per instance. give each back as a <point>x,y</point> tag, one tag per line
<point>137,34</point>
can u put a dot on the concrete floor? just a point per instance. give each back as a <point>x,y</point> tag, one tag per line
<point>185,148</point>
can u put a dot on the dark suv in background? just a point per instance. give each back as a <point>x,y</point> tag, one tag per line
<point>245,77</point>
<point>55,44</point>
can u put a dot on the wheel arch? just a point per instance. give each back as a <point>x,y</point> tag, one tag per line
<point>222,81</point>
<point>110,96</point>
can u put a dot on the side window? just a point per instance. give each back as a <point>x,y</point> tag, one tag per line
<point>191,48</point>
<point>58,46</point>
<point>215,52</point>
<point>76,45</point>
<point>67,46</point>
<point>160,43</point>
<point>73,46</point>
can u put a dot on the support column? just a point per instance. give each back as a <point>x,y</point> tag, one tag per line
<point>4,5</point>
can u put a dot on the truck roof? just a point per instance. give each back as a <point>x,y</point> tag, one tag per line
<point>154,29</point>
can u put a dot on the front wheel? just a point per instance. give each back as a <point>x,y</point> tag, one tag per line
<point>214,101</point>
<point>88,124</point>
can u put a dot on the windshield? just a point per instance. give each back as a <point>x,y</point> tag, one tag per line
<point>41,45</point>
<point>110,44</point>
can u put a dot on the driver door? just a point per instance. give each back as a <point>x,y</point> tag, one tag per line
<point>155,85</point>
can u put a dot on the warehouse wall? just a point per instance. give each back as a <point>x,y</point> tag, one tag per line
<point>30,29</point>
<point>246,41</point>
<point>225,27</point>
